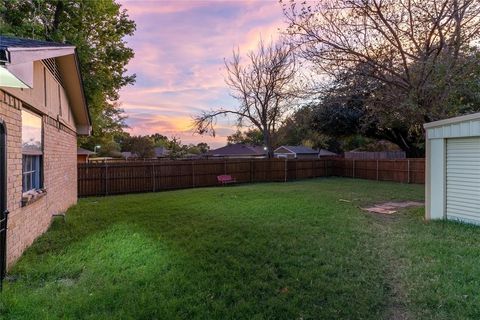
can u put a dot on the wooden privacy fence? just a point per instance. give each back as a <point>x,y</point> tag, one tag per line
<point>132,177</point>
<point>403,170</point>
<point>369,155</point>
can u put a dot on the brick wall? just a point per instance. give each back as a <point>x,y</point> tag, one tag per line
<point>26,223</point>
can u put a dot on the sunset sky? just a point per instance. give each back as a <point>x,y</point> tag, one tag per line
<point>179,48</point>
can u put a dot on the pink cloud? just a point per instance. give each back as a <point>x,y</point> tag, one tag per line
<point>137,8</point>
<point>180,48</point>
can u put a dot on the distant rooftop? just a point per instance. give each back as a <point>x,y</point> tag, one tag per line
<point>82,151</point>
<point>300,149</point>
<point>238,149</point>
<point>326,153</point>
<point>161,152</point>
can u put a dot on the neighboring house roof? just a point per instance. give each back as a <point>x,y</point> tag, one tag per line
<point>81,151</point>
<point>238,149</point>
<point>192,156</point>
<point>298,149</point>
<point>326,153</point>
<point>161,152</point>
<point>128,154</point>
<point>17,56</point>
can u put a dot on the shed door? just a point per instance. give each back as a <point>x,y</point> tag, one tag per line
<point>463,179</point>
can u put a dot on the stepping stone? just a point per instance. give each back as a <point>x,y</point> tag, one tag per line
<point>392,207</point>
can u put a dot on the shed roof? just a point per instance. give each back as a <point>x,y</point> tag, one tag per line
<point>468,117</point>
<point>463,126</point>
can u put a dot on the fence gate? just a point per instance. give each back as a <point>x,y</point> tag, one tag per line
<point>3,202</point>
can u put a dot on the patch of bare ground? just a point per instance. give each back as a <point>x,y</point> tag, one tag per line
<point>387,216</point>
<point>392,207</point>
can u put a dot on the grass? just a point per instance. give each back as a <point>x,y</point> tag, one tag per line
<point>263,251</point>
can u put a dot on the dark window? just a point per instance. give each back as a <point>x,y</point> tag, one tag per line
<point>31,172</point>
<point>32,150</point>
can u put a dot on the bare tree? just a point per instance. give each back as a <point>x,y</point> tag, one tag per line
<point>264,89</point>
<point>417,51</point>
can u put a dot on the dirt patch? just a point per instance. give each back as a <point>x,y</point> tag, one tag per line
<point>387,223</point>
<point>392,207</point>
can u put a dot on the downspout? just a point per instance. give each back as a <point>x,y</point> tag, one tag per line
<point>3,210</point>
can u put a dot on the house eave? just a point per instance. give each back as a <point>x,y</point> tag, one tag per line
<point>84,130</point>
<point>19,62</point>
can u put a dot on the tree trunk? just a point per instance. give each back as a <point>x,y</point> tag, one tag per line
<point>56,18</point>
<point>268,143</point>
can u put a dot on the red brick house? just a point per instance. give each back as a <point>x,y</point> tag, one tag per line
<point>42,111</point>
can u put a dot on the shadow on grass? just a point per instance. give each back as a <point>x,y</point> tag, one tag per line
<point>232,253</point>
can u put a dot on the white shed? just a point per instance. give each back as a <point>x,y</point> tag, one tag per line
<point>453,169</point>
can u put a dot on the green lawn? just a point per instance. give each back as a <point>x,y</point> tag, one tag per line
<point>262,251</point>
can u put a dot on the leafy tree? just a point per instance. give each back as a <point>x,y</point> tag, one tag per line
<point>264,89</point>
<point>108,147</point>
<point>159,140</point>
<point>416,60</point>
<point>144,146</point>
<point>140,145</point>
<point>202,147</point>
<point>97,29</point>
<point>177,150</point>
<point>252,137</point>
<point>299,129</point>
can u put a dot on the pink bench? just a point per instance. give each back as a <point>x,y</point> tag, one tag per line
<point>226,179</point>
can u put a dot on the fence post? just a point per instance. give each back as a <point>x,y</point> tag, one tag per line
<point>353,169</point>
<point>286,169</point>
<point>325,173</point>
<point>264,170</point>
<point>193,173</point>
<point>153,176</point>
<point>313,169</point>
<point>106,178</point>
<point>251,170</point>
<point>225,166</point>
<point>160,173</point>
<point>377,170</point>
<point>296,168</point>
<point>408,170</point>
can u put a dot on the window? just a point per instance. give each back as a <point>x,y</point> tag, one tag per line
<point>31,172</point>
<point>32,151</point>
